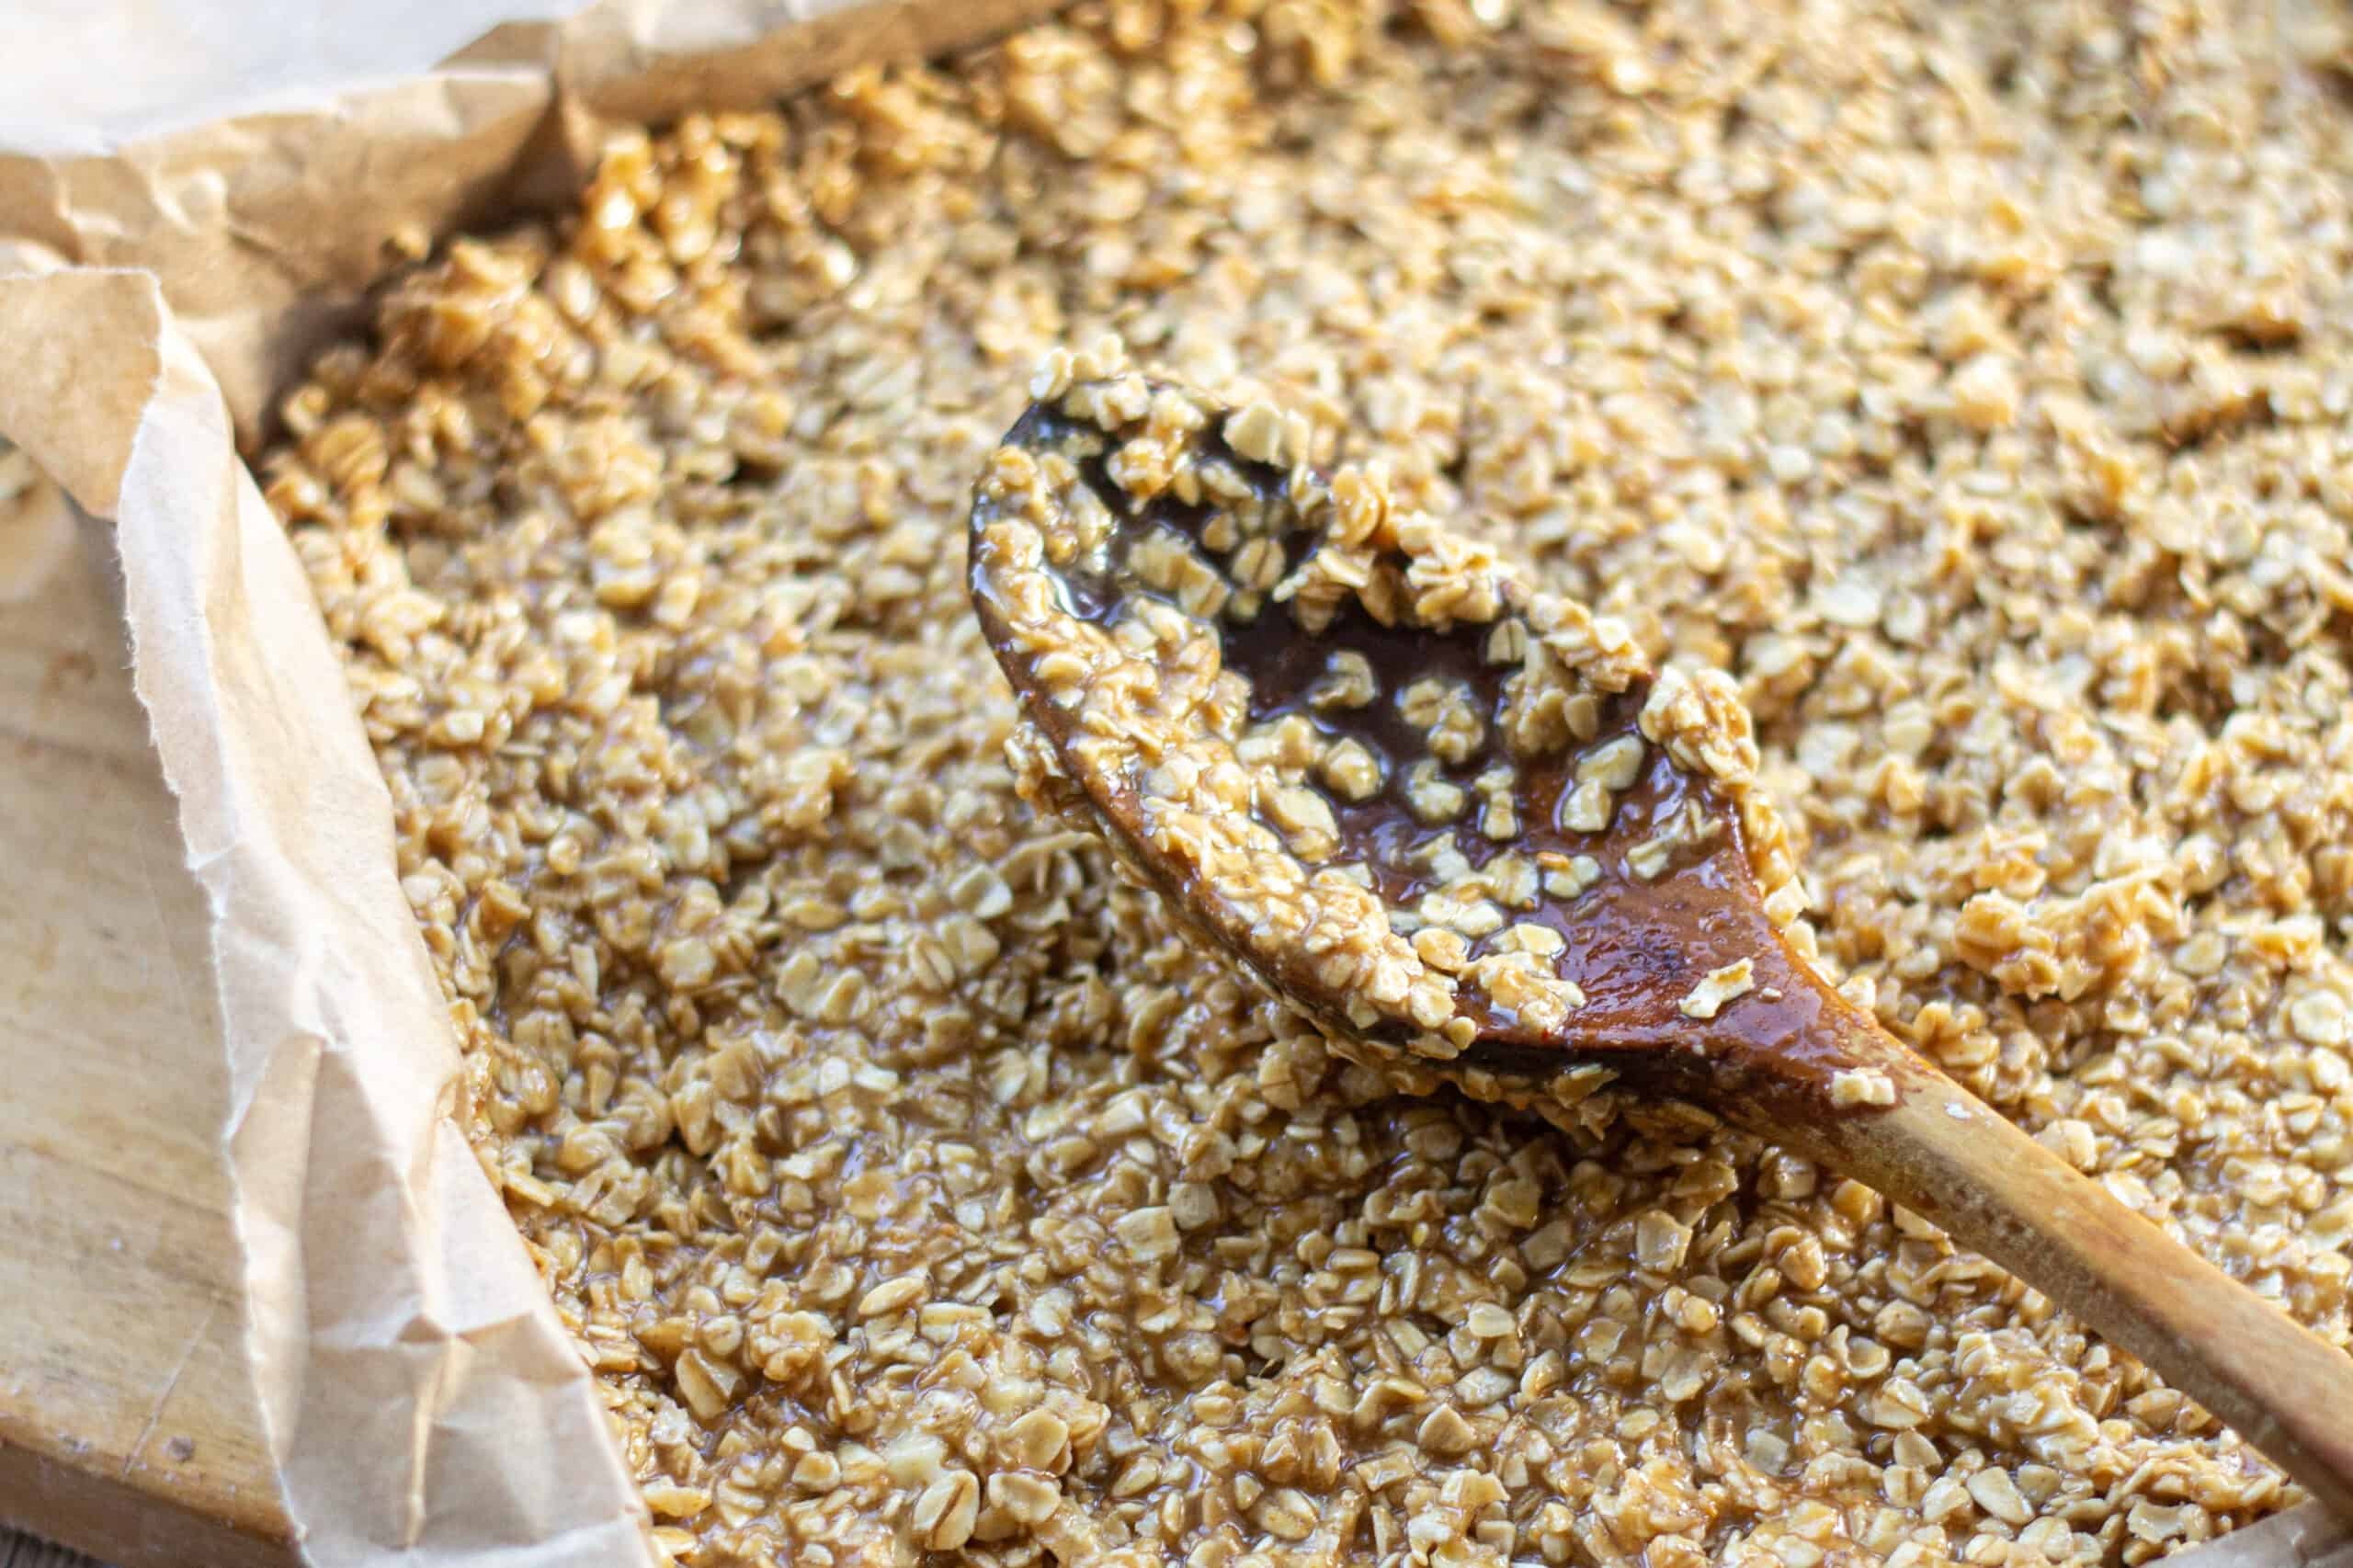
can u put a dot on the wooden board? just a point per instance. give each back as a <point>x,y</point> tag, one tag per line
<point>129,1427</point>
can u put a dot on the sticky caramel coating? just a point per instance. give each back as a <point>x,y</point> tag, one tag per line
<point>1351,739</point>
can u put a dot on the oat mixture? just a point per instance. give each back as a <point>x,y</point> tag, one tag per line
<point>1971,383</point>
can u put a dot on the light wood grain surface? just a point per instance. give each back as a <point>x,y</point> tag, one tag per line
<point>129,1425</point>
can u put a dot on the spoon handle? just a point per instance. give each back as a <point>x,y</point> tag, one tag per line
<point>1943,1153</point>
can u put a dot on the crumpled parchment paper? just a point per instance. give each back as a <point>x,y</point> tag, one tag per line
<point>162,277</point>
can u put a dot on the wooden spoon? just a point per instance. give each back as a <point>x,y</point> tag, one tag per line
<point>1356,754</point>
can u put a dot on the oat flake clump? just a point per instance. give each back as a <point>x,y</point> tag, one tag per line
<point>1970,381</point>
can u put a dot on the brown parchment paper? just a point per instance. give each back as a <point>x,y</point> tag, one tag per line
<point>168,261</point>
<point>158,285</point>
<point>36,526</point>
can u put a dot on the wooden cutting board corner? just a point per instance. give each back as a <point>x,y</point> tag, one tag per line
<point>129,1425</point>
